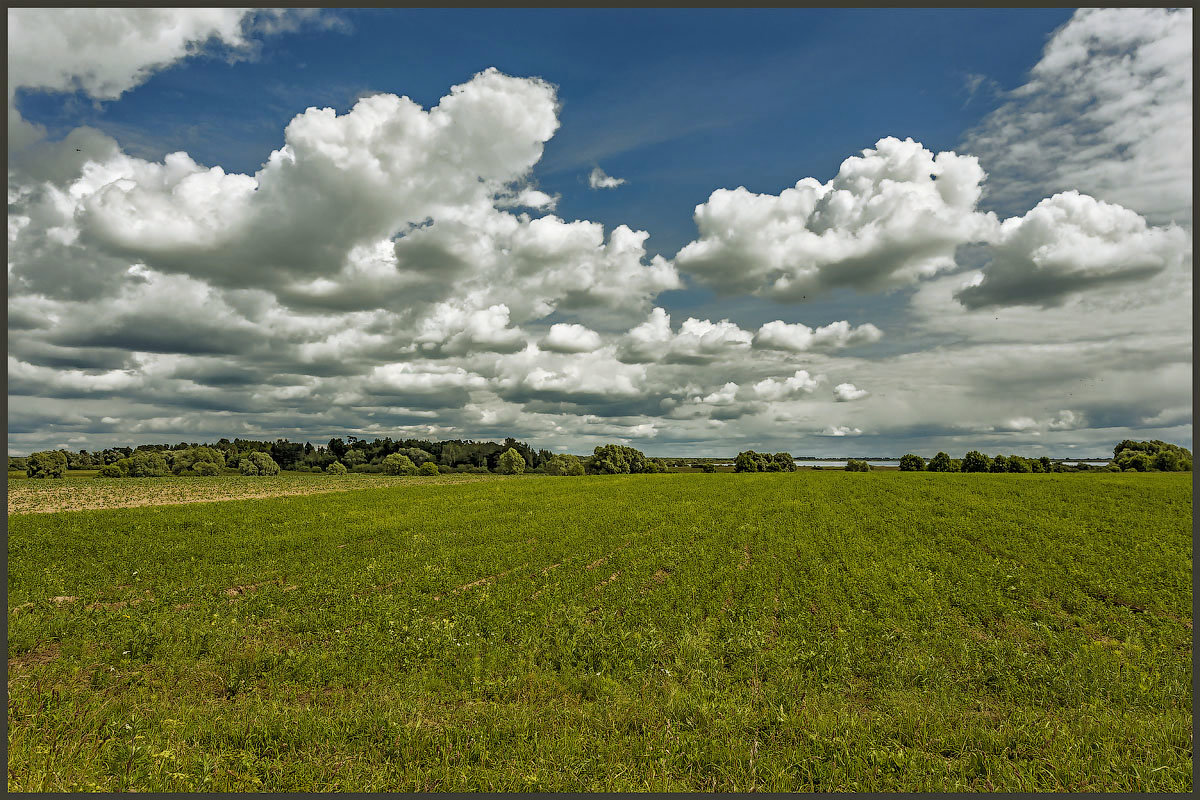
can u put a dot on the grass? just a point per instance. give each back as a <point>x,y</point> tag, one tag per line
<point>820,630</point>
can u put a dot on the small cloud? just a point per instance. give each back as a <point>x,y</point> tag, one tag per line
<point>598,180</point>
<point>841,430</point>
<point>845,392</point>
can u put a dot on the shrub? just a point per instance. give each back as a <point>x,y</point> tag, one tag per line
<point>710,468</point>
<point>911,463</point>
<point>336,468</point>
<point>478,470</point>
<point>257,463</point>
<point>110,471</point>
<point>46,464</point>
<point>430,468</point>
<point>205,468</point>
<point>511,463</point>
<point>563,464</point>
<point>855,465</point>
<point>398,464</point>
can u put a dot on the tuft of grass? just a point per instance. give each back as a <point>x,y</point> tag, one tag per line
<point>813,631</point>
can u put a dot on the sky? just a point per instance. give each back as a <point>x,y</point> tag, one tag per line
<point>854,233</point>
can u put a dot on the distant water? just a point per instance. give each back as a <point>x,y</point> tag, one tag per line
<point>842,463</point>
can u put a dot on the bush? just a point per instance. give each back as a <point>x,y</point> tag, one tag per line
<point>336,468</point>
<point>399,464</point>
<point>478,470</point>
<point>46,464</point>
<point>110,471</point>
<point>511,463</point>
<point>563,464</point>
<point>912,463</point>
<point>430,468</point>
<point>855,465</point>
<point>709,468</point>
<point>257,463</point>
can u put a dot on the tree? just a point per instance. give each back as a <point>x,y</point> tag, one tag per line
<point>338,468</point>
<point>939,463</point>
<point>258,463</point>
<point>615,459</point>
<point>110,471</point>
<point>912,463</point>
<point>428,468</point>
<point>563,464</point>
<point>415,455</point>
<point>511,463</point>
<point>710,468</point>
<point>783,462</point>
<point>145,464</point>
<point>400,464</point>
<point>186,462</point>
<point>750,461</point>
<point>856,465</point>
<point>976,461</point>
<point>46,464</point>
<point>998,464</point>
<point>205,468</point>
<point>1017,464</point>
<point>1047,466</point>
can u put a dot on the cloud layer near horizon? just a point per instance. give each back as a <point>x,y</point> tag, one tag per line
<point>395,270</point>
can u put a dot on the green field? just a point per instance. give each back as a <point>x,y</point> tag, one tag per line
<point>819,630</point>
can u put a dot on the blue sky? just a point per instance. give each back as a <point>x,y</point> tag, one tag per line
<point>678,104</point>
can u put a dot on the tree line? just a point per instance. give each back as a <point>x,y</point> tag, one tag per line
<point>1128,455</point>
<point>420,457</point>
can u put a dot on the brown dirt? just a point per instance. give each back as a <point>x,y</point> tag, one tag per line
<point>35,658</point>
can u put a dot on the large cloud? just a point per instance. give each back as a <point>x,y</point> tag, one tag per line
<point>889,217</point>
<point>1107,111</point>
<point>1069,243</point>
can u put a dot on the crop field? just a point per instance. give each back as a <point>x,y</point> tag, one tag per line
<point>42,496</point>
<point>812,631</point>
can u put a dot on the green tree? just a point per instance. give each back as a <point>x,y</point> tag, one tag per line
<point>258,463</point>
<point>857,465</point>
<point>710,468</point>
<point>1017,464</point>
<point>564,464</point>
<point>750,461</point>
<point>939,463</point>
<point>400,464</point>
<point>615,459</point>
<point>976,461</point>
<point>783,462</point>
<point>145,464</point>
<point>428,468</point>
<point>110,471</point>
<point>912,463</point>
<point>46,464</point>
<point>511,463</point>
<point>338,468</point>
